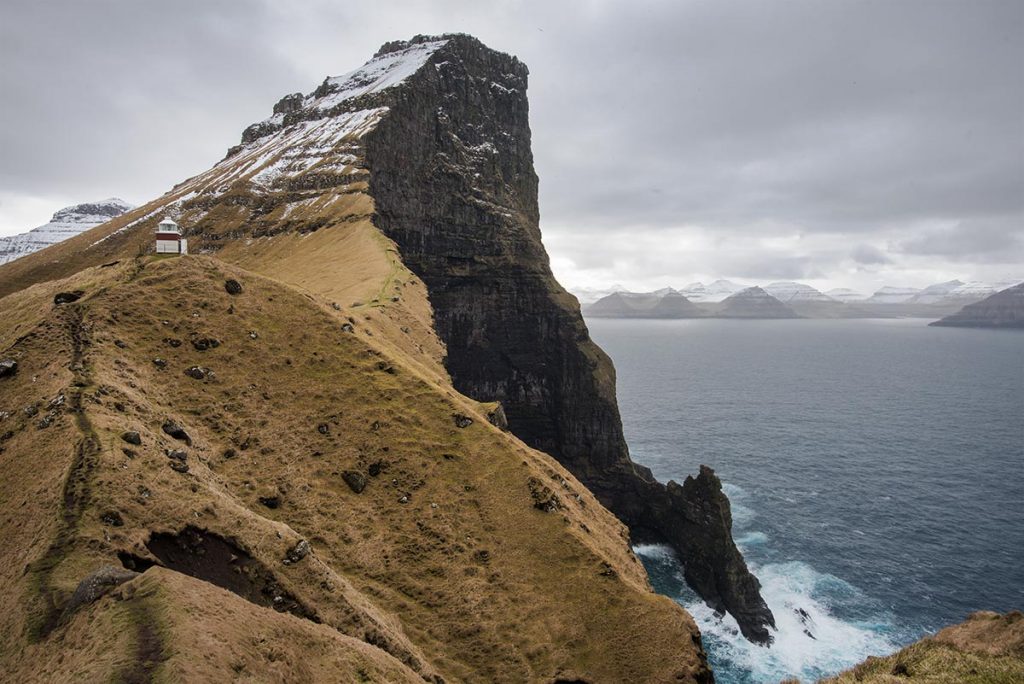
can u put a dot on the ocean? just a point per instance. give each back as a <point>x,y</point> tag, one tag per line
<point>875,469</point>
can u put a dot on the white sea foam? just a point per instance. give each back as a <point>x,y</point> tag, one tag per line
<point>808,644</point>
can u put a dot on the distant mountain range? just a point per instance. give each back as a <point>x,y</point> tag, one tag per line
<point>66,223</point>
<point>786,299</point>
<point>1004,309</point>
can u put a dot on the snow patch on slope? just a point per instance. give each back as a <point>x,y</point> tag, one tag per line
<point>380,73</point>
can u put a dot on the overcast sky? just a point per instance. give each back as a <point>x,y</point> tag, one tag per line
<point>840,143</point>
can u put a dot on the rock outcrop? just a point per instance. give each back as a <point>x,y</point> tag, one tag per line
<point>1004,309</point>
<point>467,555</point>
<point>451,174</point>
<point>67,222</point>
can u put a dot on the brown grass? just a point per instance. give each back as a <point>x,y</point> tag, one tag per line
<point>466,578</point>
<point>986,649</point>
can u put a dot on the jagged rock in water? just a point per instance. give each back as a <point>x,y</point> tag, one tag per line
<point>1004,309</point>
<point>65,223</point>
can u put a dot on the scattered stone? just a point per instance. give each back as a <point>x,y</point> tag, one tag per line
<point>253,335</point>
<point>347,327</point>
<point>404,499</point>
<point>177,455</point>
<point>179,467</point>
<point>119,405</point>
<point>462,421</point>
<point>335,306</point>
<point>176,431</point>
<point>355,481</point>
<point>174,342</point>
<point>46,420</point>
<point>198,372</point>
<point>96,585</point>
<point>543,498</point>
<point>271,502</point>
<point>120,344</point>
<point>230,453</point>
<point>68,297</point>
<point>30,410</point>
<point>129,453</point>
<point>132,437</point>
<point>377,467</point>
<point>204,343</point>
<point>160,363</point>
<point>496,417</point>
<point>8,367</point>
<point>297,552</point>
<point>323,428</point>
<point>386,367</point>
<point>233,287</point>
<point>112,518</point>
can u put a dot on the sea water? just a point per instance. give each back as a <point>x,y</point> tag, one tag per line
<point>875,469</point>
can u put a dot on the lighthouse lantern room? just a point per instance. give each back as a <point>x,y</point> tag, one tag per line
<point>169,239</point>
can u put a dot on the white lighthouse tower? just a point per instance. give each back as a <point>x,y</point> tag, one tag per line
<point>169,240</point>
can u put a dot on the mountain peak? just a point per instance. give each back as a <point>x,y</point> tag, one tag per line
<point>65,223</point>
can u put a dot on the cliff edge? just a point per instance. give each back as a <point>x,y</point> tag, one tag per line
<point>451,173</point>
<point>402,196</point>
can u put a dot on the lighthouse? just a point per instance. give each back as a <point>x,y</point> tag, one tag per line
<point>169,240</point>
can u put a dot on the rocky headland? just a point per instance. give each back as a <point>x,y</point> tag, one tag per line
<point>361,433</point>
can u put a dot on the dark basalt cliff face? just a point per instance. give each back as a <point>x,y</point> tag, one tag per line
<point>451,174</point>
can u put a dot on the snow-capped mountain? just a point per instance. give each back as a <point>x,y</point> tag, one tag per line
<point>893,295</point>
<point>846,295</point>
<point>67,222</point>
<point>796,292</point>
<point>715,292</point>
<point>937,293</point>
<point>754,302</point>
<point>1002,309</point>
<point>589,295</point>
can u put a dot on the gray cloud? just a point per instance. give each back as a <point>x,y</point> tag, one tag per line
<point>978,240</point>
<point>710,133</point>
<point>869,255</point>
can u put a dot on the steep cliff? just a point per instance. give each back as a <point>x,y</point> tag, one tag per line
<point>451,173</point>
<point>403,196</point>
<point>251,464</point>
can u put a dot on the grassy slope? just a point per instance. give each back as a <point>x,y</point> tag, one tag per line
<point>467,579</point>
<point>986,649</point>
